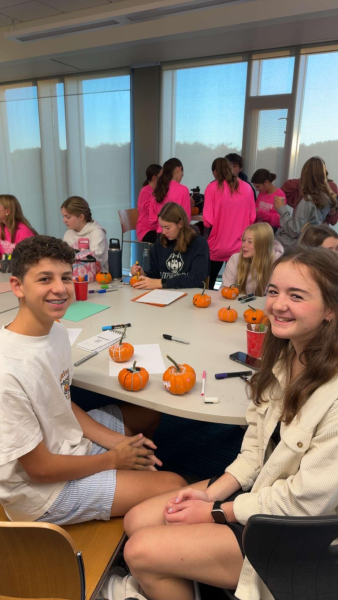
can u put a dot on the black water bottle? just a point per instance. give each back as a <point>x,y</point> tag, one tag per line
<point>115,258</point>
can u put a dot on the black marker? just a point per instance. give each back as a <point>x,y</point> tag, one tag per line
<point>234,374</point>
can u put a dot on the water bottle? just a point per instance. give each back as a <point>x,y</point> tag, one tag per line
<point>145,259</point>
<point>115,258</point>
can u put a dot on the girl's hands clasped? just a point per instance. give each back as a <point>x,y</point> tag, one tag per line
<point>135,453</point>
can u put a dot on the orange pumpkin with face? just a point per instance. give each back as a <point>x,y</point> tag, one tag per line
<point>179,379</point>
<point>230,293</point>
<point>228,315</point>
<point>133,379</point>
<point>201,300</point>
<point>103,277</point>
<point>253,315</point>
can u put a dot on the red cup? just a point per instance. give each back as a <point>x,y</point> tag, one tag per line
<point>255,335</point>
<point>81,290</point>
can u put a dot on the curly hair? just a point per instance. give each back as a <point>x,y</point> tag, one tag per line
<point>31,250</point>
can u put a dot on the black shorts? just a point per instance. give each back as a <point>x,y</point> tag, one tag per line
<point>236,528</point>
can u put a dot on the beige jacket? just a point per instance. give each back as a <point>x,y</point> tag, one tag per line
<point>298,478</point>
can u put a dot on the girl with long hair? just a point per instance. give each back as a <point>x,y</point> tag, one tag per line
<point>169,189</point>
<point>144,230</point>
<point>250,269</point>
<point>14,227</point>
<point>77,216</point>
<point>288,460</point>
<point>179,258</point>
<point>319,235</point>
<point>316,203</point>
<point>229,208</point>
<point>262,180</point>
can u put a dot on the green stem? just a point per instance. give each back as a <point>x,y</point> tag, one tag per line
<point>174,363</point>
<point>122,336</point>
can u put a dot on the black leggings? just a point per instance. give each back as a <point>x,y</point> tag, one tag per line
<point>215,267</point>
<point>150,236</point>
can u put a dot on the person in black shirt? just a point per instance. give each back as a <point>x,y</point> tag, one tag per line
<point>179,258</point>
<point>236,162</point>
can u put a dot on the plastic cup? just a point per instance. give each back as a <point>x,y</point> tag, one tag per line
<point>255,335</point>
<point>81,290</point>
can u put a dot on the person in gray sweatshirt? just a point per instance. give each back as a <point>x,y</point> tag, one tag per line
<point>316,203</point>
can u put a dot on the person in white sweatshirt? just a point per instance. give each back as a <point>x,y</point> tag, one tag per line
<point>250,269</point>
<point>78,218</point>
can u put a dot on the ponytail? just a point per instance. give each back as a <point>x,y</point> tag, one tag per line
<point>164,180</point>
<point>262,175</point>
<point>152,171</point>
<point>222,168</point>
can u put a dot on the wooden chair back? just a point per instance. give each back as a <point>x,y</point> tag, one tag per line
<point>128,219</point>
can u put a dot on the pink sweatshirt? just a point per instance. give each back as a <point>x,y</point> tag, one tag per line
<point>143,224</point>
<point>21,233</point>
<point>228,215</point>
<point>265,209</point>
<point>177,193</point>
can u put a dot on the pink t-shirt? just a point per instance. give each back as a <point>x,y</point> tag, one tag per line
<point>143,224</point>
<point>177,193</point>
<point>265,209</point>
<point>21,233</point>
<point>228,215</point>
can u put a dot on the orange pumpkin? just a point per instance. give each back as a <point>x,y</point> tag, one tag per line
<point>195,210</point>
<point>179,379</point>
<point>133,379</point>
<point>136,277</point>
<point>121,352</point>
<point>230,292</point>
<point>265,320</point>
<point>228,315</point>
<point>201,300</point>
<point>103,277</point>
<point>253,315</point>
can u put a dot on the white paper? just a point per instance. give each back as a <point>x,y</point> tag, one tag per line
<point>161,297</point>
<point>101,341</point>
<point>148,356</point>
<point>73,335</point>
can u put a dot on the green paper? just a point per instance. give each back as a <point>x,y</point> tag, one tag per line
<point>81,310</point>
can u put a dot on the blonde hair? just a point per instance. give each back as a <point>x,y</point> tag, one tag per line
<point>260,264</point>
<point>77,206</point>
<point>15,216</point>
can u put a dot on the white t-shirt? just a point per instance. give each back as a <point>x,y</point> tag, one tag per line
<point>35,378</point>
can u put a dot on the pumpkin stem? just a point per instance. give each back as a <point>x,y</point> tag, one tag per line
<point>203,288</point>
<point>175,363</point>
<point>122,336</point>
<point>228,308</point>
<point>134,366</point>
<point>252,308</point>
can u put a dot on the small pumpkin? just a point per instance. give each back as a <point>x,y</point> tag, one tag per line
<point>228,315</point>
<point>230,292</point>
<point>265,320</point>
<point>179,379</point>
<point>253,315</point>
<point>135,278</point>
<point>121,352</point>
<point>133,379</point>
<point>202,300</point>
<point>195,210</point>
<point>103,277</point>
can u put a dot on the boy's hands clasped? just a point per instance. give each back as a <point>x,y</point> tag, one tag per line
<point>135,453</point>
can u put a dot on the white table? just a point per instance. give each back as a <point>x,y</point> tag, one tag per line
<point>211,342</point>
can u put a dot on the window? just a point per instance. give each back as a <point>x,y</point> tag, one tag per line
<point>272,76</point>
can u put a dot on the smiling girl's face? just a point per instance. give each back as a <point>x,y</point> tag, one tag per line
<point>295,305</point>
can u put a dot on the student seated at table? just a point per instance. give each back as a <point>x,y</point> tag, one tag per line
<point>319,235</point>
<point>144,230</point>
<point>179,258</point>
<point>250,269</point>
<point>236,163</point>
<point>288,461</point>
<point>14,227</point>
<point>77,216</point>
<point>169,189</point>
<point>58,463</point>
<point>317,201</point>
<point>266,212</point>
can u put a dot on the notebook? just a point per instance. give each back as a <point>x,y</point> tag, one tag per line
<point>101,341</point>
<point>159,297</point>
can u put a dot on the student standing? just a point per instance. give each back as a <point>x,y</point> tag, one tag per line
<point>229,208</point>
<point>251,268</point>
<point>319,235</point>
<point>144,230</point>
<point>169,189</point>
<point>262,180</point>
<point>78,218</point>
<point>317,201</point>
<point>236,163</point>
<point>13,225</point>
<point>179,258</point>
<point>288,460</point>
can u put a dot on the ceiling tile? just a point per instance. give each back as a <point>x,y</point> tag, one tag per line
<point>4,21</point>
<point>30,11</point>
<point>9,3</point>
<point>72,5</point>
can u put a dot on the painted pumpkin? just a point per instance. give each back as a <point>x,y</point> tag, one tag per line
<point>135,278</point>
<point>103,277</point>
<point>179,379</point>
<point>253,315</point>
<point>121,352</point>
<point>133,379</point>
<point>195,210</point>
<point>230,293</point>
<point>228,315</point>
<point>201,300</point>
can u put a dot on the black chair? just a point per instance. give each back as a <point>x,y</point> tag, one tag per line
<point>294,556</point>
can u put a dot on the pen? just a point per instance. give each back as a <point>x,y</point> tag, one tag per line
<point>245,297</point>
<point>248,299</point>
<point>203,383</point>
<point>102,291</point>
<point>174,339</point>
<point>234,374</point>
<point>109,327</point>
<point>79,362</point>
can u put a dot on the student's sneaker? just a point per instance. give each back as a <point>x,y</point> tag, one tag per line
<point>121,587</point>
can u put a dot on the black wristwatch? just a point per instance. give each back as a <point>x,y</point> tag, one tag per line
<point>218,514</point>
